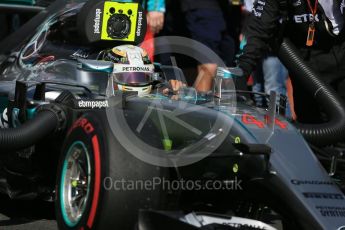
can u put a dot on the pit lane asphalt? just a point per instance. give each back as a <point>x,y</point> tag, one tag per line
<point>26,215</point>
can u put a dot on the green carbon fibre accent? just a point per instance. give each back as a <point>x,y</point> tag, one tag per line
<point>167,143</point>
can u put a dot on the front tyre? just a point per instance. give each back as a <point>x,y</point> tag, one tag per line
<point>79,176</point>
<point>91,163</point>
<point>75,183</point>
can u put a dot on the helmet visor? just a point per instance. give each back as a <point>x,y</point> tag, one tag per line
<point>133,78</point>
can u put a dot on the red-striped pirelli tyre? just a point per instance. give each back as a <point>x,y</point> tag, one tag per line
<point>99,184</point>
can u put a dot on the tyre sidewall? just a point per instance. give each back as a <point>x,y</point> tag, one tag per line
<point>86,130</point>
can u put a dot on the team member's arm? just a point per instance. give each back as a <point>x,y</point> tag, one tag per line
<point>262,26</point>
<point>155,15</point>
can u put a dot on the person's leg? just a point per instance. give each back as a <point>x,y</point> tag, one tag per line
<point>307,110</point>
<point>204,80</point>
<point>275,77</point>
<point>290,103</point>
<point>228,50</point>
<point>258,86</point>
<point>206,26</point>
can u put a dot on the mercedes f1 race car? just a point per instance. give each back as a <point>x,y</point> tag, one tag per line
<point>101,132</point>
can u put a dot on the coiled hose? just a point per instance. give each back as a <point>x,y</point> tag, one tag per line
<point>327,133</point>
<point>28,134</point>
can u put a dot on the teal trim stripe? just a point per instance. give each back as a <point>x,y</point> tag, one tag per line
<point>68,222</point>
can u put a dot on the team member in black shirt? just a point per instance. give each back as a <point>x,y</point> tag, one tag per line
<point>315,27</point>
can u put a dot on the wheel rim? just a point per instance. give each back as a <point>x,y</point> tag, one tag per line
<point>75,183</point>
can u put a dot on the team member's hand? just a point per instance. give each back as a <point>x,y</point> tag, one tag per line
<point>155,20</point>
<point>176,85</point>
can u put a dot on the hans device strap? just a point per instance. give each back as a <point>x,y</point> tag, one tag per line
<point>109,21</point>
